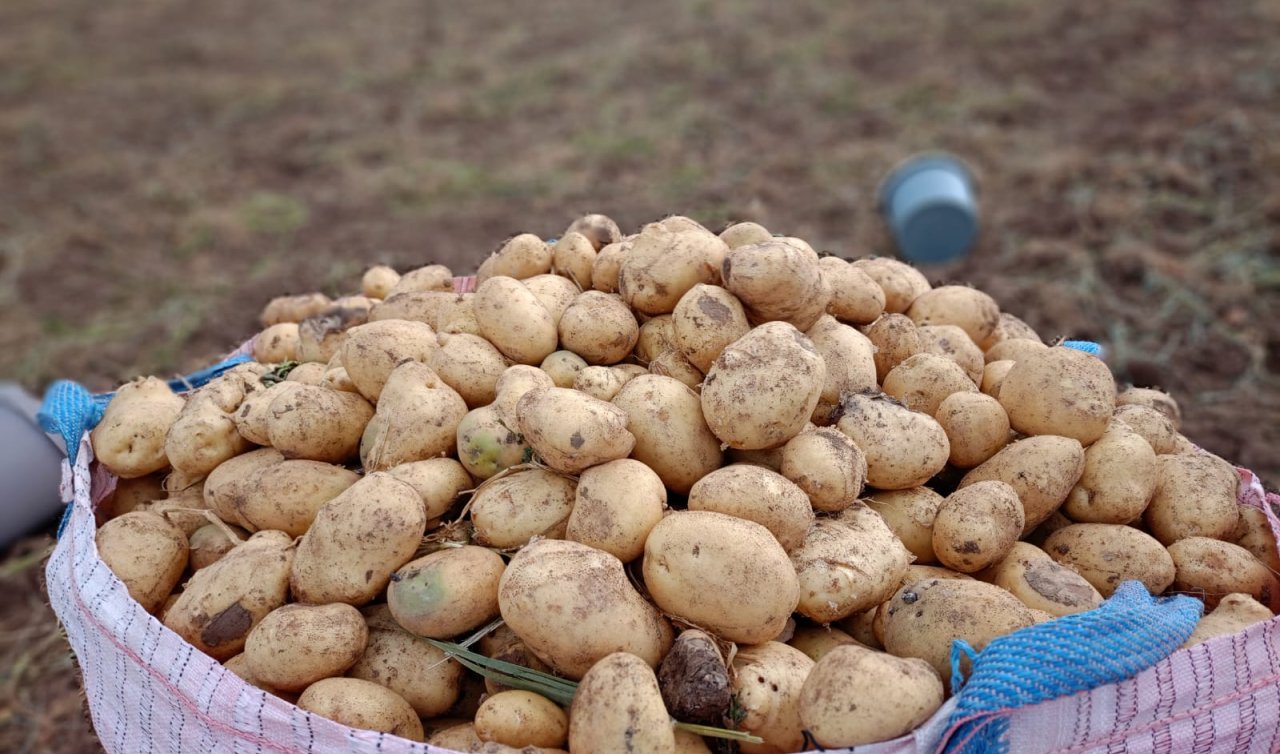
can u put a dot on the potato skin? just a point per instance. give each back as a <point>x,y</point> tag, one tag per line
<point>362,704</point>
<point>417,418</point>
<point>277,343</point>
<point>664,262</point>
<point>744,233</point>
<point>618,707</point>
<point>1254,534</point>
<point>486,446</point>
<point>522,718</point>
<point>903,448</point>
<point>512,385</point>
<point>767,684</point>
<point>317,423</point>
<point>571,431</point>
<point>1195,496</point>
<point>976,425</point>
<point>296,645</point>
<point>1107,554</point>
<point>977,525</point>
<point>514,320</point>
<point>827,696</point>
<point>427,679</point>
<point>1156,399</point>
<point>598,230</point>
<point>130,439</point>
<point>847,564</point>
<point>1152,425</point>
<point>509,511</point>
<point>827,465</point>
<point>671,433</point>
<point>924,381</point>
<point>952,342</point>
<point>909,514</point>
<point>293,308</point>
<point>1210,569</point>
<point>1060,391</point>
<point>1040,583</point>
<point>1119,478</point>
<point>604,271</point>
<point>756,494</point>
<point>227,483</point>
<point>521,256</point>
<point>616,505</point>
<point>1041,470</point>
<point>599,328</point>
<point>705,321</point>
<point>146,552</point>
<point>1234,613</point>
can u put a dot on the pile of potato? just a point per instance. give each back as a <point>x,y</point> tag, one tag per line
<point>713,478</point>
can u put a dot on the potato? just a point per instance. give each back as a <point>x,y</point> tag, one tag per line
<point>608,265</point>
<point>338,379</point>
<point>976,425</point>
<point>204,434</point>
<point>618,707</point>
<point>362,704</point>
<point>1210,569</point>
<point>674,364</point>
<point>294,646</point>
<point>410,666</point>
<point>827,465</point>
<point>571,431</point>
<point>555,293</point>
<point>767,682</point>
<point>311,373</point>
<point>744,234</point>
<point>1014,349</point>
<point>146,552</point>
<point>573,605</point>
<point>210,542</point>
<point>458,316</point>
<point>599,230</point>
<point>922,382</point>
<point>615,506</point>
<point>817,641</point>
<point>847,564</point>
<point>671,434</point>
<point>1040,583</point>
<point>923,618</point>
<point>417,418</point>
<point>953,343</point>
<point>1107,554</point>
<point>901,282</point>
<point>293,308</point>
<point>228,482</point>
<point>1151,425</point>
<point>664,262</point>
<point>378,281</point>
<point>357,541</point>
<point>521,256</point>
<point>446,593</point>
<point>601,383</point>
<point>1152,398</point>
<point>432,277</point>
<point>574,256</point>
<point>657,335</point>
<point>469,365</point>
<point>756,494</point>
<point>762,388</point>
<point>509,511</point>
<point>1254,534</point>
<point>512,385</point>
<point>694,679</point>
<point>993,375</point>
<point>457,737</point>
<point>1042,471</point>
<point>855,297</point>
<point>522,718</point>
<point>277,343</point>
<point>977,525</point>
<point>322,336</point>
<point>909,514</point>
<point>705,321</point>
<point>514,320</point>
<point>892,696</point>
<point>777,281</point>
<point>599,328</point>
<point>317,423</point>
<point>895,339</point>
<point>1234,613</point>
<point>286,495</point>
<point>1060,391</point>
<point>372,350</point>
<point>849,358</point>
<point>563,367</point>
<point>725,574</point>
<point>1120,474</point>
<point>967,308</point>
<point>486,446</point>
<point>903,448</point>
<point>1195,496</point>
<point>130,439</point>
<point>131,493</point>
<point>415,306</point>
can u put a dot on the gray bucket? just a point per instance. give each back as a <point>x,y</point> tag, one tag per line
<point>930,206</point>
<point>30,467</point>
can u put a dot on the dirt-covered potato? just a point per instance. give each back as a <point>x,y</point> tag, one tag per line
<point>923,618</point>
<point>457,315</point>
<point>767,682</point>
<point>616,505</point>
<point>903,448</point>
<point>744,234</point>
<point>847,564</point>
<point>618,707</point>
<point>286,495</point>
<point>317,423</point>
<point>901,282</point>
<point>130,439</point>
<point>967,308</point>
<point>311,373</point>
<point>511,510</point>
<point>425,676</point>
<point>571,431</point>
<point>1042,471</point>
<point>756,494</point>
<point>417,418</point>
<point>909,514</point>
<point>674,364</point>
<point>664,262</point>
<point>563,367</point>
<point>1234,613</point>
<point>694,679</point>
<point>1152,398</point>
<point>763,387</point>
<point>519,257</point>
<point>856,298</point>
<point>952,342</point>
<point>446,593</point>
<point>1195,496</point>
<point>892,697</point>
<point>469,365</point>
<point>599,230</point>
<point>1152,425</point>
<point>993,375</point>
<point>599,328</point>
<point>204,434</point>
<point>657,335</point>
<point>555,293</point>
<point>414,306</point>
<point>226,483</point>
<point>608,264</point>
<point>1041,583</point>
<point>512,385</point>
<point>1211,569</point>
<point>294,646</point>
<point>671,434</point>
<point>358,539</point>
<point>895,339</point>
<point>573,605</point>
<point>601,383</point>
<point>976,425</point>
<point>519,718</point>
<point>432,277</point>
<point>460,736</point>
<point>514,320</point>
<point>977,525</point>
<point>1007,328</point>
<point>849,358</point>
<point>486,446</point>
<point>1120,474</point>
<point>438,481</point>
<point>817,641</point>
<point>378,281</point>
<point>147,553</point>
<point>922,382</point>
<point>827,465</point>
<point>1059,391</point>
<point>277,343</point>
<point>362,704</point>
<point>1107,554</point>
<point>777,281</point>
<point>1254,534</point>
<point>293,308</point>
<point>705,321</point>
<point>726,574</point>
<point>574,255</point>
<point>1014,349</point>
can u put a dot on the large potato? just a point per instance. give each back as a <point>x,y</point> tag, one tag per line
<point>486,446</point>
<point>967,308</point>
<point>756,494</point>
<point>705,321</point>
<point>1119,478</point>
<point>372,350</point>
<point>362,704</point>
<point>286,495</point>
<point>952,342</point>
<point>728,575</point>
<point>147,553</point>
<point>616,505</point>
<point>1041,583</point>
<point>469,365</point>
<point>512,385</point>
<point>130,439</point>
<point>855,297</point>
<point>519,257</point>
<point>447,592</point>
<point>1042,470</point>
<point>903,448</point>
<point>924,381</point>
<point>977,525</point>
<point>224,601</point>
<point>438,481</point>
<point>514,320</point>
<point>509,511</point>
<point>294,646</point>
<point>358,539</point>
<point>226,484</point>
<point>895,338</point>
<point>1152,425</point>
<point>671,434</point>
<point>827,465</point>
<point>204,434</point>
<point>910,514</point>
<point>1107,554</point>
<point>571,431</point>
<point>318,423</point>
<point>1060,391</point>
<point>777,281</point>
<point>901,282</point>
<point>892,697</point>
<point>762,389</point>
<point>1210,569</point>
<point>767,682</point>
<point>1234,613</point>
<point>417,418</point>
<point>555,293</point>
<point>618,707</point>
<point>976,425</point>
<point>599,328</point>
<point>573,605</point>
<point>849,358</point>
<point>1195,496</point>
<point>664,262</point>
<point>847,564</point>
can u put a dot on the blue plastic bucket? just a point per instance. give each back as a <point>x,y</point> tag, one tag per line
<point>930,206</point>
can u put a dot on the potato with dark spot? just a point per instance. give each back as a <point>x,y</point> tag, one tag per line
<point>1211,569</point>
<point>618,707</point>
<point>318,423</point>
<point>362,704</point>
<point>277,343</point>
<point>147,553</point>
<point>664,262</point>
<point>571,431</point>
<point>891,697</point>
<point>977,525</point>
<point>599,328</point>
<point>952,342</point>
<point>901,282</point>
<point>847,564</point>
<point>856,299</point>
<point>694,679</point>
<point>767,682</point>
<point>599,230</point>
<point>1041,470</point>
<point>903,448</point>
<point>671,434</point>
<point>1120,475</point>
<point>924,381</point>
<point>372,350</point>
<point>910,514</point>
<point>286,495</point>
<point>1041,583</point>
<point>1107,554</point>
<point>895,339</point>
<point>446,593</point>
<point>427,678</point>
<point>616,505</point>
<point>1060,391</point>
<point>756,494</point>
<point>486,446</point>
<point>705,321</point>
<point>513,509</point>
<point>1195,496</point>
<point>777,281</point>
<point>967,308</point>
<point>827,465</point>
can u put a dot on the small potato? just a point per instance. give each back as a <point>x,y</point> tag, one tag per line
<point>967,308</point>
<point>297,645</point>
<point>674,364</point>
<point>522,718</point>
<point>511,510</point>
<point>362,704</point>
<point>1254,534</point>
<point>318,424</point>
<point>458,315</point>
<point>762,389</point>
<point>976,425</point>
<point>277,343</point>
<point>665,261</point>
<point>1041,583</point>
<point>705,321</point>
<point>1107,554</point>
<point>901,282</point>
<point>599,230</point>
<point>599,328</point>
<point>608,264</point>
<point>438,481</point>
<point>1195,496</point>
<point>924,381</point>
<point>657,335</point>
<point>1210,569</point>
<point>563,367</point>
<point>378,281</point>
<point>993,375</point>
<point>286,496</point>
<point>671,435</point>
<point>977,525</point>
<point>818,641</point>
<point>512,385</point>
<point>856,298</point>
<point>514,320</point>
<point>458,737</point>
<point>1060,391</point>
<point>744,234</point>
<point>447,592</point>
<point>1152,425</point>
<point>519,257</point>
<point>767,684</point>
<point>556,293</point>
<point>1234,613</point>
<point>954,343</point>
<point>923,618</point>
<point>1007,328</point>
<point>847,564</point>
<point>1042,471</point>
<point>310,373</point>
<point>1151,398</point>
<point>725,574</point>
<point>601,383</point>
<point>903,448</point>
<point>895,339</point>
<point>849,358</point>
<point>910,514</point>
<point>1120,474</point>
<point>147,553</point>
<point>293,308</point>
<point>469,365</point>
<point>204,434</point>
<point>574,256</point>
<point>417,418</point>
<point>571,431</point>
<point>130,439</point>
<point>573,605</point>
<point>616,504</point>
<point>432,277</point>
<point>777,281</point>
<point>756,494</point>
<point>210,542</point>
<point>914,693</point>
<point>827,465</point>
<point>486,446</point>
<point>618,707</point>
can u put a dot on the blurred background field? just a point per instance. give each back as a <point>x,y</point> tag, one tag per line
<point>168,166</point>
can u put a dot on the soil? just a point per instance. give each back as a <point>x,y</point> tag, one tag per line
<point>171,165</point>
